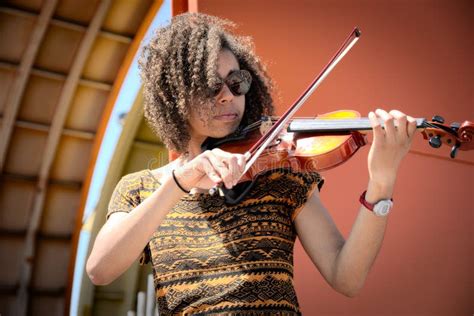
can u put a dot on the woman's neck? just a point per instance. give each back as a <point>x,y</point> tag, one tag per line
<point>193,150</point>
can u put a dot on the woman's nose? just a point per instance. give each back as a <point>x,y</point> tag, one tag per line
<point>225,95</point>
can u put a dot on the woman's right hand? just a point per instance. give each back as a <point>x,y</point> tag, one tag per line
<point>210,168</point>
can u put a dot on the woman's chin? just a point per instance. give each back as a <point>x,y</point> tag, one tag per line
<point>223,131</point>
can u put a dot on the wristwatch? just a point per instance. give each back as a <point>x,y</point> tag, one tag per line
<point>381,208</point>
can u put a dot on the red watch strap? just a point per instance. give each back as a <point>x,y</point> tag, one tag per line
<point>364,202</point>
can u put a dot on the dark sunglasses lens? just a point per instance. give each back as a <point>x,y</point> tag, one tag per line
<point>239,82</point>
<point>215,90</point>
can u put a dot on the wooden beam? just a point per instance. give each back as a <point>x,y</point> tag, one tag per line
<point>8,66</point>
<point>54,292</point>
<point>18,12</point>
<point>52,142</point>
<point>39,127</point>
<point>80,28</point>
<point>10,290</point>
<point>116,37</point>
<point>23,72</point>
<point>99,85</point>
<point>68,25</point>
<point>21,233</point>
<point>71,184</point>
<point>81,134</point>
<point>45,128</point>
<point>48,74</point>
<point>6,233</point>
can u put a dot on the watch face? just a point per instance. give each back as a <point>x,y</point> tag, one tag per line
<point>382,208</point>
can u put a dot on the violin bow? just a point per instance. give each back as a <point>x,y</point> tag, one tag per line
<point>255,151</point>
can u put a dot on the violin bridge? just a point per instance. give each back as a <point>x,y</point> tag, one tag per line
<point>266,124</point>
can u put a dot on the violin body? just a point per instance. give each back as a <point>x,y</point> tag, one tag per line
<point>328,151</point>
<point>300,151</point>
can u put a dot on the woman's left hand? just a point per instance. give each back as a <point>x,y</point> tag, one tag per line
<point>390,144</point>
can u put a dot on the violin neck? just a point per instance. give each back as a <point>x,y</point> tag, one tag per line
<point>338,126</point>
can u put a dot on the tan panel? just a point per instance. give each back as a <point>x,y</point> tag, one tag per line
<point>145,133</point>
<point>144,271</point>
<point>60,211</point>
<point>108,307</point>
<point>40,99</point>
<point>15,32</point>
<point>6,78</point>
<point>86,109</point>
<point>44,305</point>
<point>104,60</point>
<point>15,204</point>
<point>11,250</point>
<point>77,11</point>
<point>25,152</point>
<point>149,156</point>
<point>117,297</point>
<point>125,16</point>
<point>58,49</point>
<point>30,5</point>
<point>72,157</point>
<point>51,258</point>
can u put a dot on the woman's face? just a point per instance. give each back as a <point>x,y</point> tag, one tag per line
<point>222,114</point>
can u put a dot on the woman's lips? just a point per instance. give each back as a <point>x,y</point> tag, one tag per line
<point>226,117</point>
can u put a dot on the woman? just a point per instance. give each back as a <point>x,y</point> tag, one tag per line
<point>201,82</point>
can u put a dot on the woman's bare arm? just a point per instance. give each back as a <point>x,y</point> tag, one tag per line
<point>124,236</point>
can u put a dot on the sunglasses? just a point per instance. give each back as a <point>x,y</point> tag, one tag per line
<point>238,82</point>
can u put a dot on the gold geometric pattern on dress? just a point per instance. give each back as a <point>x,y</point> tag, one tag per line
<point>213,259</point>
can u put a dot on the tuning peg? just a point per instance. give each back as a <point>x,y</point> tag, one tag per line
<point>454,151</point>
<point>438,119</point>
<point>455,126</point>
<point>435,141</point>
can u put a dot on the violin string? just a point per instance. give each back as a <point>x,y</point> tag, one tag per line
<point>252,126</point>
<point>446,129</point>
<point>427,124</point>
<point>338,123</point>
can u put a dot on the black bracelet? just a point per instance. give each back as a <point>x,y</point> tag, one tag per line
<point>177,183</point>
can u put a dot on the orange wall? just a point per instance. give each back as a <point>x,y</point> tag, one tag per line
<point>415,56</point>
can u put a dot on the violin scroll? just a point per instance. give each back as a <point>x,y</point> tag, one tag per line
<point>458,136</point>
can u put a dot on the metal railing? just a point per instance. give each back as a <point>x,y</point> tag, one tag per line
<point>146,302</point>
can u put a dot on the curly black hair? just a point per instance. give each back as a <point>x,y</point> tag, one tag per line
<point>179,69</point>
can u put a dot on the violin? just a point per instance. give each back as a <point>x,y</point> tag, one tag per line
<point>322,143</point>
<point>317,144</point>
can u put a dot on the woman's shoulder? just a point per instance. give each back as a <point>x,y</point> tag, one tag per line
<point>144,178</point>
